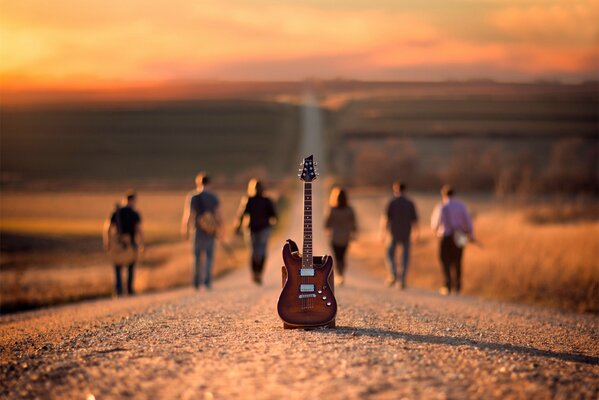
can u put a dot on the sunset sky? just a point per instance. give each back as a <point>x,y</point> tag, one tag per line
<point>95,43</point>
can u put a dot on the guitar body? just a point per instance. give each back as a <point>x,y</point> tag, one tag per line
<point>306,301</point>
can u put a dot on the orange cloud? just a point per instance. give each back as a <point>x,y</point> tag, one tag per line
<point>525,57</point>
<point>110,42</point>
<point>204,37</point>
<point>573,23</point>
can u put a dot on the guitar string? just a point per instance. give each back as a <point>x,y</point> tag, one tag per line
<point>304,253</point>
<point>311,244</point>
<point>307,217</point>
<point>308,231</point>
<point>304,303</point>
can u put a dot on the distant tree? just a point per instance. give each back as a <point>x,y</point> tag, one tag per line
<point>472,167</point>
<point>379,163</point>
<point>572,168</point>
<point>517,175</point>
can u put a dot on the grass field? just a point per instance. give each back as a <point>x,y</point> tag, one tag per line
<point>522,138</point>
<point>161,142</point>
<point>52,248</point>
<point>555,264</point>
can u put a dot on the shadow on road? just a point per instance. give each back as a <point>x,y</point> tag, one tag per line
<point>457,341</point>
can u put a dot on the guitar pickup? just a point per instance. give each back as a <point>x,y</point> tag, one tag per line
<point>306,287</point>
<point>306,296</point>
<point>307,272</point>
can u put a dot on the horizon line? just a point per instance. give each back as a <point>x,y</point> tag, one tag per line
<point>219,88</point>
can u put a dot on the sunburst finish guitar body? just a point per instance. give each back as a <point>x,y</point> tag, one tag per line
<point>307,299</point>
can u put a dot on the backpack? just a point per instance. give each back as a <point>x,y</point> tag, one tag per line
<point>206,221</point>
<point>122,251</point>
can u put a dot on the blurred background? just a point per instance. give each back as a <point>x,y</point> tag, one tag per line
<point>498,98</point>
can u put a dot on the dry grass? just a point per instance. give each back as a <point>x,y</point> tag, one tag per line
<point>555,264</point>
<point>565,212</point>
<point>80,214</point>
<point>164,266</point>
<point>54,254</point>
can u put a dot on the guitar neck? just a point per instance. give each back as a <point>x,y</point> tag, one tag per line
<point>307,260</point>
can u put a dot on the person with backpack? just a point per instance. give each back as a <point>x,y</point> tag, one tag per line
<point>202,212</point>
<point>123,240</point>
<point>262,216</point>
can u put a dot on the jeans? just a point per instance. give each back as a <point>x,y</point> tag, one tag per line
<point>203,244</point>
<point>259,241</point>
<point>405,244</point>
<point>339,253</point>
<point>451,256</point>
<point>119,279</point>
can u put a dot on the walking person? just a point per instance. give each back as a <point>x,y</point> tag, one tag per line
<point>341,226</point>
<point>262,216</point>
<point>452,223</point>
<point>123,240</point>
<point>202,212</point>
<point>400,219</point>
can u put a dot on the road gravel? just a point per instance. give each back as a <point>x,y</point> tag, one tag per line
<point>229,343</point>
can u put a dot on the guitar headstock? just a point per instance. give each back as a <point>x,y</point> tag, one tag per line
<point>308,169</point>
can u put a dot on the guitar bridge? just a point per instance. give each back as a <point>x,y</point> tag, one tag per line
<point>306,296</point>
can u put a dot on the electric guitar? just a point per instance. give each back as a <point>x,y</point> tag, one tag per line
<point>307,299</point>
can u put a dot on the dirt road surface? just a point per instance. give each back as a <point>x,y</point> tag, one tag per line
<point>229,343</point>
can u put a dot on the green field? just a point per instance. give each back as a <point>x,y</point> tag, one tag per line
<point>158,144</point>
<point>508,139</point>
<point>375,131</point>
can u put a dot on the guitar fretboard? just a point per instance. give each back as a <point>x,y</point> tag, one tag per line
<point>307,260</point>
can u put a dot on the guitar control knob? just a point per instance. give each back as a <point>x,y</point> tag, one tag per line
<point>329,303</point>
<point>324,297</point>
<point>320,291</point>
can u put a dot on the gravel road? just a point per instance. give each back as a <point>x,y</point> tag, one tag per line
<point>229,343</point>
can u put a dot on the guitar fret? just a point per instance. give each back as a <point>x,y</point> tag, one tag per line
<point>307,245</point>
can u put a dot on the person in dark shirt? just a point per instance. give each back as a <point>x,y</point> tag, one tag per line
<point>399,219</point>
<point>262,216</point>
<point>124,228</point>
<point>202,211</point>
<point>341,226</point>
